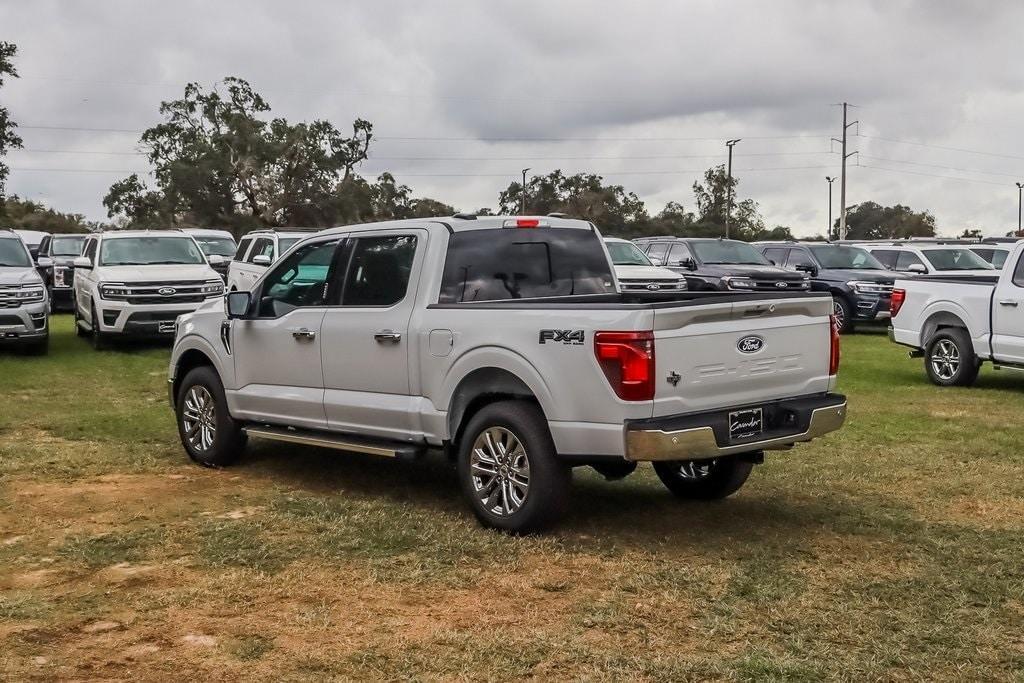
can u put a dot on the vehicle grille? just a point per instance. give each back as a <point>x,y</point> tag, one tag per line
<point>145,293</point>
<point>781,285</point>
<point>631,285</point>
<point>63,277</point>
<point>9,297</point>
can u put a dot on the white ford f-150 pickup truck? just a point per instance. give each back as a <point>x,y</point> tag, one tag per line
<point>505,342</point>
<point>956,323</point>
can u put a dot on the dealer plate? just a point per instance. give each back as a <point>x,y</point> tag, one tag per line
<point>744,424</point>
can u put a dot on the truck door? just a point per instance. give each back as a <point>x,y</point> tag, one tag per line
<point>278,370</point>
<point>1008,313</point>
<point>366,336</point>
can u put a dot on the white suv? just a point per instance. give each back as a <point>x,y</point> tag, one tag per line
<point>256,251</point>
<point>930,259</point>
<point>137,283</point>
<point>23,300</point>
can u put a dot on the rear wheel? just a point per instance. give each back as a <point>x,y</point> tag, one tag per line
<point>509,471</point>
<point>950,360</point>
<point>210,435</point>
<point>704,479</point>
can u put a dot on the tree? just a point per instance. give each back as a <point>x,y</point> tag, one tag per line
<point>712,200</point>
<point>583,195</point>
<point>8,138</point>
<point>971,233</point>
<point>871,221</point>
<point>29,215</point>
<point>219,162</point>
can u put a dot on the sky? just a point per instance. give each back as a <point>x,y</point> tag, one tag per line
<point>463,95</point>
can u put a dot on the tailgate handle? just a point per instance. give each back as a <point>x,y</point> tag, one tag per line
<point>759,310</point>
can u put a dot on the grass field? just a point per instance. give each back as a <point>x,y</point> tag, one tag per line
<point>890,550</point>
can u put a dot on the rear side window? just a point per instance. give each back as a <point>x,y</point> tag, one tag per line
<point>513,263</point>
<point>887,257</point>
<point>242,246</point>
<point>378,274</point>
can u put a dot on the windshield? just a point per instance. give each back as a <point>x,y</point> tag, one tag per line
<point>68,246</point>
<point>728,251</point>
<point>626,254</point>
<point>835,256</point>
<point>284,244</point>
<point>148,251</point>
<point>216,246</point>
<point>956,259</point>
<point>13,254</point>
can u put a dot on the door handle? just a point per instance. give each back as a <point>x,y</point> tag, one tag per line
<point>388,337</point>
<point>303,333</point>
<point>1008,302</point>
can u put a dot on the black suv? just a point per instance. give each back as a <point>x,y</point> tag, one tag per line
<point>860,285</point>
<point>720,264</point>
<point>59,278</point>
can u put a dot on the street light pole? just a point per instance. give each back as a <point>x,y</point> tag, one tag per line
<point>1020,186</point>
<point>728,187</point>
<point>522,203</point>
<point>828,230</point>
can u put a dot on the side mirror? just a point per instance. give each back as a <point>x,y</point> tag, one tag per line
<point>82,262</point>
<point>689,264</point>
<point>917,268</point>
<point>238,304</point>
<point>44,262</point>
<point>261,260</point>
<point>215,259</point>
<point>810,270</point>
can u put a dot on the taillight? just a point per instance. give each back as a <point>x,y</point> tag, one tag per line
<point>896,302</point>
<point>833,347</point>
<point>627,360</point>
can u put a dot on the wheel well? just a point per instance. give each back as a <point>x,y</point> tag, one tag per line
<point>939,321</point>
<point>190,360</point>
<point>480,388</point>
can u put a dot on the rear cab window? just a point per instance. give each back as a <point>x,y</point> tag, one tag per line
<point>514,263</point>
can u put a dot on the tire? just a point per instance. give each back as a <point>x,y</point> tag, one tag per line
<point>949,358</point>
<point>516,429</point>
<point>614,471</point>
<point>704,479</point>
<point>201,393</point>
<point>843,312</point>
<point>96,337</point>
<point>79,332</point>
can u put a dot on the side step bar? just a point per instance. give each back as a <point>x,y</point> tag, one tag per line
<point>341,442</point>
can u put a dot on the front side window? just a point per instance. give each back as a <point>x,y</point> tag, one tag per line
<point>678,254</point>
<point>999,258</point>
<point>776,255</point>
<point>657,253</point>
<point>1018,273</point>
<point>956,259</point>
<point>905,259</point>
<point>90,250</point>
<point>264,247</point>
<point>728,252</point>
<point>150,251</point>
<point>378,271</point>
<point>887,257</point>
<point>799,257</point>
<point>242,246</point>
<point>512,263</point>
<point>298,281</point>
<point>626,254</point>
<point>13,253</point>
<point>70,245</point>
<point>839,256</point>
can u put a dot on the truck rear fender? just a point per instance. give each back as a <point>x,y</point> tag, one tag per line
<point>945,314</point>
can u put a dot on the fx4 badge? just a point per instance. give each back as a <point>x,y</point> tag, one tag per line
<point>574,337</point>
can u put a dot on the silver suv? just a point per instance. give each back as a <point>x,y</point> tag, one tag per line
<point>24,309</point>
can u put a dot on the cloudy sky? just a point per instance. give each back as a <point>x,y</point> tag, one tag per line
<point>463,95</point>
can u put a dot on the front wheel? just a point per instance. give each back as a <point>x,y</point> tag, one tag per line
<point>207,431</point>
<point>843,313</point>
<point>950,360</point>
<point>509,471</point>
<point>704,479</point>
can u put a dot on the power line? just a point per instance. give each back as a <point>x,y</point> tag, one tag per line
<point>931,175</point>
<point>939,166</point>
<point>942,147</point>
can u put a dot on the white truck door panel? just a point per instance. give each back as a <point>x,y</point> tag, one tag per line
<point>277,368</point>
<point>1008,314</point>
<point>367,341</point>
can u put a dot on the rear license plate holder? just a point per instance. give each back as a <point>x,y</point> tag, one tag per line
<point>745,424</point>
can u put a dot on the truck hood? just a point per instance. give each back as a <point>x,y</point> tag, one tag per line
<point>748,270</point>
<point>19,276</point>
<point>167,273</point>
<point>645,273</point>
<point>848,274</point>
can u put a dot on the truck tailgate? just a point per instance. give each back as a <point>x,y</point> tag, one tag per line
<point>744,353</point>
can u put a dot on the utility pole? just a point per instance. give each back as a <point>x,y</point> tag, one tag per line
<point>522,203</point>
<point>828,230</point>
<point>842,183</point>
<point>728,187</point>
<point>1020,186</point>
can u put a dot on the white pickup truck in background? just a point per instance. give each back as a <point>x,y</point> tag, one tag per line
<point>956,323</point>
<point>504,341</point>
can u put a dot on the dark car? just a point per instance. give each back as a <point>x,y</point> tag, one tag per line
<point>59,278</point>
<point>721,264</point>
<point>860,285</point>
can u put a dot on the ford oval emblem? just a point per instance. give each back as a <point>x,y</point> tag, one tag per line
<point>653,287</point>
<point>166,291</point>
<point>781,285</point>
<point>751,344</point>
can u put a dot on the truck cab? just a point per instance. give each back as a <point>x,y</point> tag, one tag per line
<point>256,251</point>
<point>59,274</point>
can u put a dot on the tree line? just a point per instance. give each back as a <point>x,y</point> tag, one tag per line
<point>221,160</point>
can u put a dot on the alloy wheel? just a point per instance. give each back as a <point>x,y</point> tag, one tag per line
<point>500,471</point>
<point>840,315</point>
<point>199,418</point>
<point>945,359</point>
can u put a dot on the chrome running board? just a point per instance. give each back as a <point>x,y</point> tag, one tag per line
<point>340,442</point>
